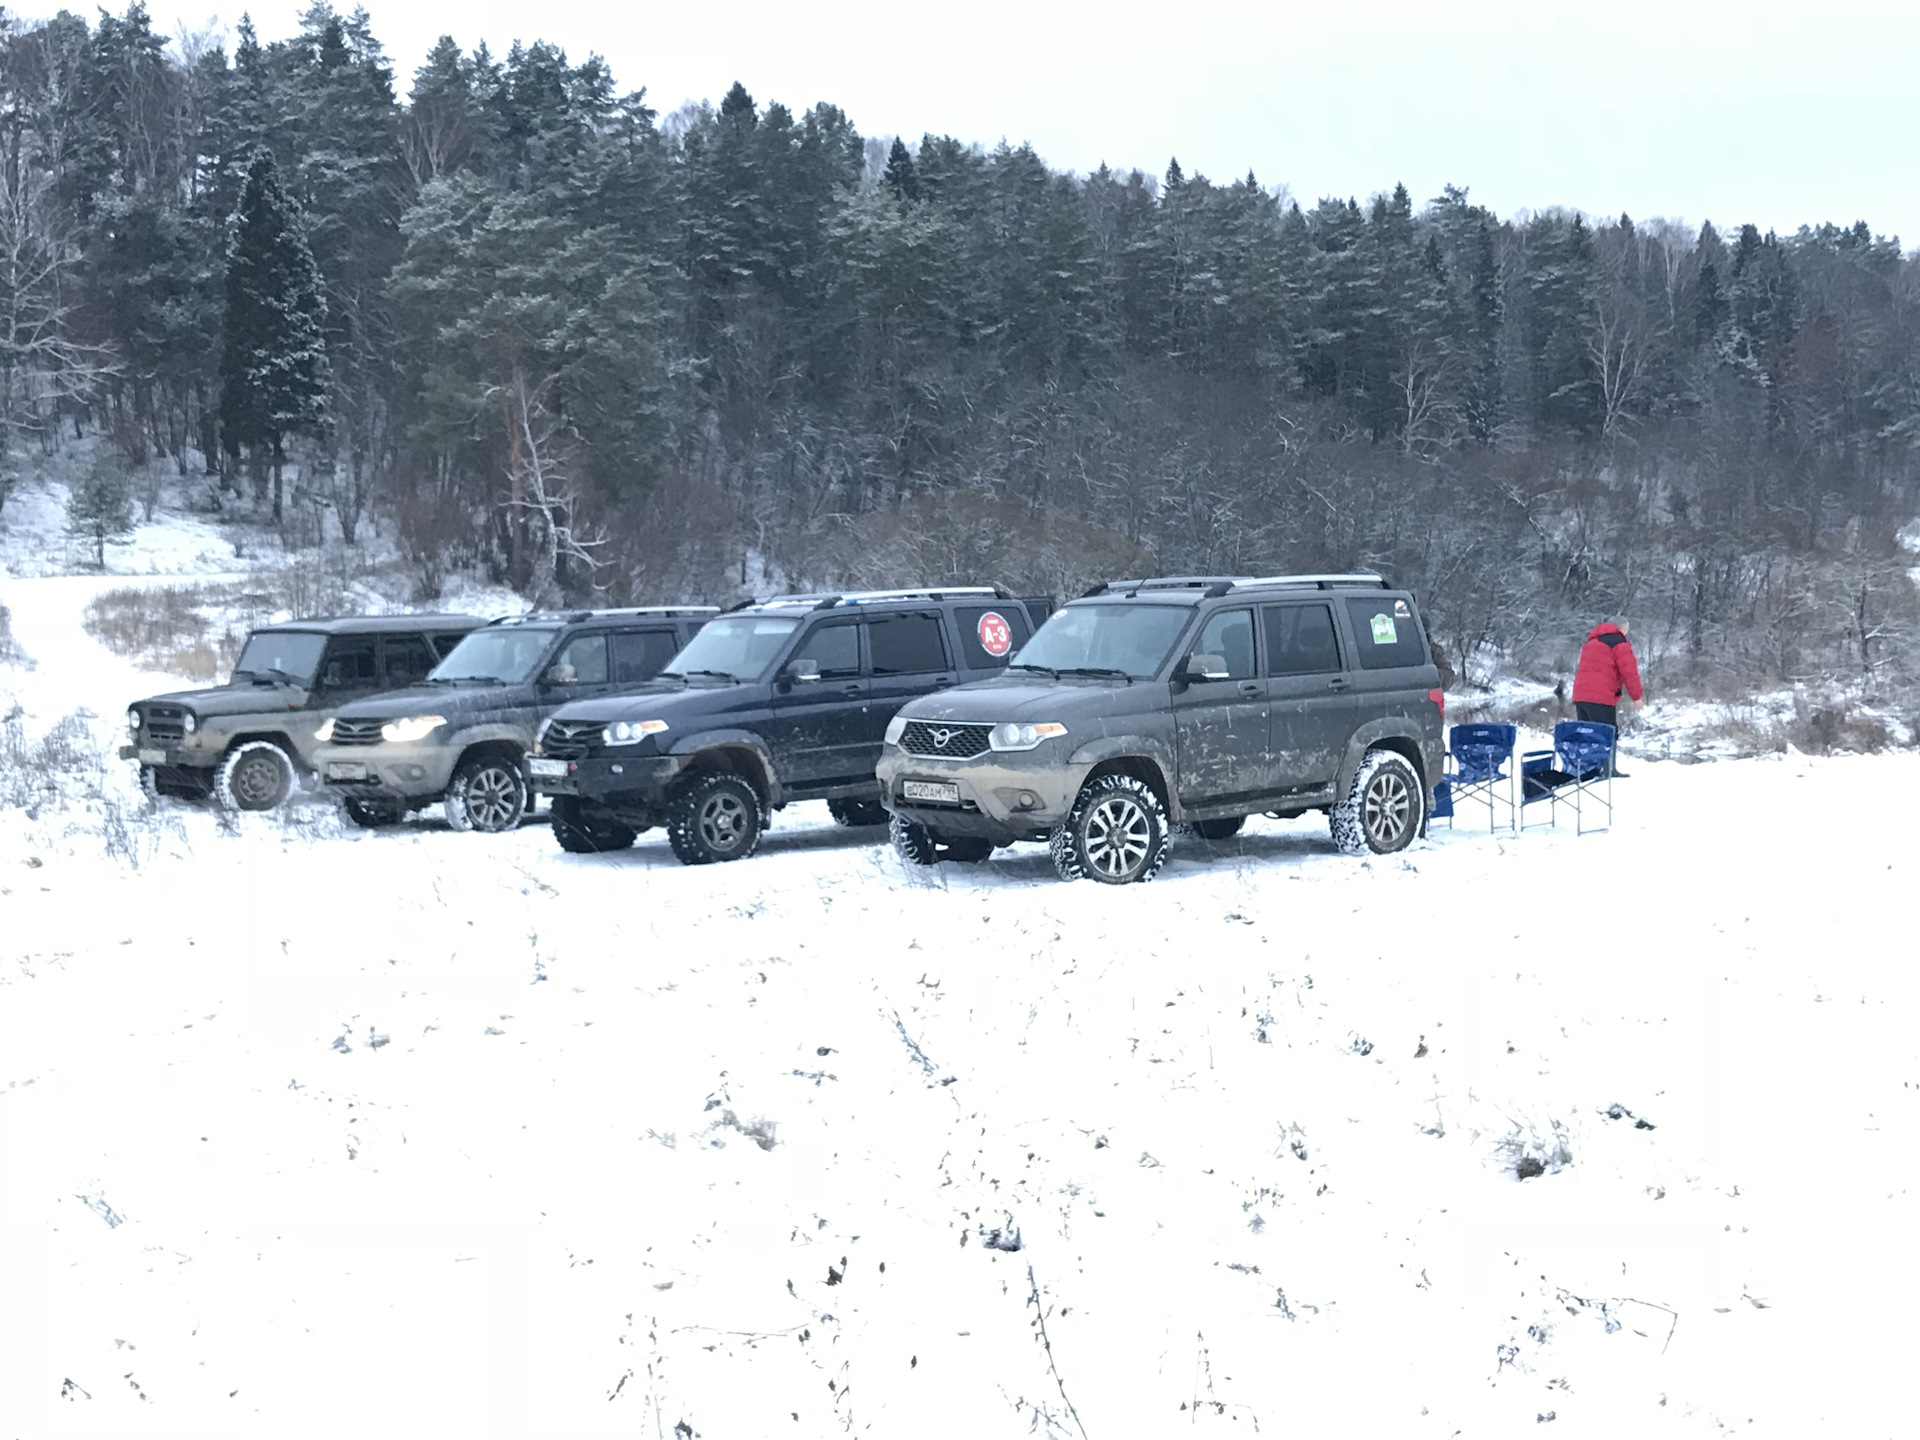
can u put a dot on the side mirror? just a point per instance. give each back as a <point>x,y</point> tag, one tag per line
<point>1205,667</point>
<point>801,671</point>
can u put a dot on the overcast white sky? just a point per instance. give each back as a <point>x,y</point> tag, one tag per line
<point>1721,111</point>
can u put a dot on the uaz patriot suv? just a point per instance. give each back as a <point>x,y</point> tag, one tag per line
<point>460,735</point>
<point>249,740</point>
<point>778,701</point>
<point>1187,700</point>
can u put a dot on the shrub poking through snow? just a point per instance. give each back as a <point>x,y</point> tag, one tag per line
<point>1529,1153</point>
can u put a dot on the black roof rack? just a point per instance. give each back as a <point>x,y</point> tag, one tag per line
<point>1205,583</point>
<point>1213,586</point>
<point>1359,580</point>
<point>574,617</point>
<point>827,600</point>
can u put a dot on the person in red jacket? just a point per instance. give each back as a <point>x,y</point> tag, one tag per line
<point>1607,667</point>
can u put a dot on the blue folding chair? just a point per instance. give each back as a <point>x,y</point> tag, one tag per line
<point>1578,771</point>
<point>1478,773</point>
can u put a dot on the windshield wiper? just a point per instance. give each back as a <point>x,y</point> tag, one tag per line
<point>466,680</point>
<point>731,679</point>
<point>268,671</point>
<point>1046,670</point>
<point>1095,670</point>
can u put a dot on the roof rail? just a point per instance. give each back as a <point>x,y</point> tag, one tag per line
<point>1362,580</point>
<point>826,600</point>
<point>1166,582</point>
<point>574,617</point>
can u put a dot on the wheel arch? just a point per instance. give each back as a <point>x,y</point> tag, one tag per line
<point>1395,734</point>
<point>731,755</point>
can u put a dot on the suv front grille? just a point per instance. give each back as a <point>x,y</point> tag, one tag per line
<point>166,724</point>
<point>945,742</point>
<point>357,732</point>
<point>570,739</point>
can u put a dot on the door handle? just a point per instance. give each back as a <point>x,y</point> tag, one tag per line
<point>1338,682</point>
<point>943,682</point>
<point>850,690</point>
<point>1249,687</point>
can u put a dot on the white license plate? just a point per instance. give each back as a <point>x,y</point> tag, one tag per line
<point>346,770</point>
<point>542,769</point>
<point>934,790</point>
<point>153,757</point>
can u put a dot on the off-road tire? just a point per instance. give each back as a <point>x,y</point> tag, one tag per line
<point>1384,807</point>
<point>1215,830</point>
<point>577,835</point>
<point>858,812</point>
<point>913,842</point>
<point>372,814</point>
<point>713,818</point>
<point>257,775</point>
<point>1116,833</point>
<point>149,783</point>
<point>488,795</point>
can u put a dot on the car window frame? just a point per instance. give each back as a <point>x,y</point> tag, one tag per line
<point>1341,646</point>
<point>938,617</point>
<point>855,623</point>
<point>674,638</point>
<point>1198,647</point>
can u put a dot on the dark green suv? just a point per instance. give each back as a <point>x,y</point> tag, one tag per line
<point>1188,700</point>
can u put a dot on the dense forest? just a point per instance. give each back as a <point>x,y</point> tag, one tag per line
<point>524,323</point>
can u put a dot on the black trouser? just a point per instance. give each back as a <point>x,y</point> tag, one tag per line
<point>1601,715</point>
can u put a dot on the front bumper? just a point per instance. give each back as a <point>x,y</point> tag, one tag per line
<point>171,757</point>
<point>416,770</point>
<point>608,779</point>
<point>1002,795</point>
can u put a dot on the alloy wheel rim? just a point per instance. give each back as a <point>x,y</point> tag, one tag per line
<point>1117,835</point>
<point>490,799</point>
<point>723,822</point>
<point>1389,807</point>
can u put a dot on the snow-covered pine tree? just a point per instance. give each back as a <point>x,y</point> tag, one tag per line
<point>100,505</point>
<point>273,369</point>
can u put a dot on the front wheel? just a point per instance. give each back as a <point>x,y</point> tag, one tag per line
<point>915,844</point>
<point>1116,833</point>
<point>1383,809</point>
<point>713,818</point>
<point>488,795</point>
<point>372,814</point>
<point>255,776</point>
<point>857,812</point>
<point>581,833</point>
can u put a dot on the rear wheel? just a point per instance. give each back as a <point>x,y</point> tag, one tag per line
<point>857,812</point>
<point>372,814</point>
<point>915,844</point>
<point>1383,809</point>
<point>1116,833</point>
<point>713,818</point>
<point>488,794</point>
<point>581,832</point>
<point>255,776</point>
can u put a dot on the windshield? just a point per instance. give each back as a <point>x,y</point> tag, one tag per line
<point>507,653</point>
<point>291,655</point>
<point>741,646</point>
<point>1129,639</point>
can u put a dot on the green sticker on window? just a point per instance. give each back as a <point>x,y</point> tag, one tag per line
<point>1383,631</point>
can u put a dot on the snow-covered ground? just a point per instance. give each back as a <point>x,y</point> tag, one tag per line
<point>306,1131</point>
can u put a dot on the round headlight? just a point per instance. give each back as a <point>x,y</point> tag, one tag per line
<point>189,722</point>
<point>133,722</point>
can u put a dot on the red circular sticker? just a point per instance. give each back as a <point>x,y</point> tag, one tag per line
<point>996,636</point>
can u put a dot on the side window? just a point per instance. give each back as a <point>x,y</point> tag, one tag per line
<point>1387,633</point>
<point>641,654</point>
<point>586,657</point>
<point>834,648</point>
<point>405,659</point>
<point>443,643</point>
<point>1300,640</point>
<point>349,663</point>
<point>989,634</point>
<point>1229,634</point>
<point>906,645</point>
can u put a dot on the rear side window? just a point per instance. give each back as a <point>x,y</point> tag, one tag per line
<point>349,663</point>
<point>906,645</point>
<point>407,659</point>
<point>1300,640</point>
<point>1386,632</point>
<point>642,654</point>
<point>989,634</point>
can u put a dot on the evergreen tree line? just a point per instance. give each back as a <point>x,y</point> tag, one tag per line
<point>527,323</point>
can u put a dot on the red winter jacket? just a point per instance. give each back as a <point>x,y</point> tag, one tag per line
<point>1606,668</point>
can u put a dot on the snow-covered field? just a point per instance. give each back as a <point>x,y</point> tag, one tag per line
<point>306,1131</point>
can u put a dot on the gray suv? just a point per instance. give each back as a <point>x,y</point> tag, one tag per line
<point>247,742</point>
<point>1192,701</point>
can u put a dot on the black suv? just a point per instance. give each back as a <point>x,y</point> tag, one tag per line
<point>248,741</point>
<point>781,700</point>
<point>460,735</point>
<point>1187,700</point>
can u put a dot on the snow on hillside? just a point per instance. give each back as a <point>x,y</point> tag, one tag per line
<point>306,1130</point>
